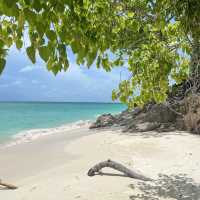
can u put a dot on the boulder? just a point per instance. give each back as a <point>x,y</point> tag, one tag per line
<point>152,117</point>
<point>160,113</point>
<point>105,120</point>
<point>147,126</point>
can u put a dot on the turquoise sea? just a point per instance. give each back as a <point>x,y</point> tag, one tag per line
<point>18,117</point>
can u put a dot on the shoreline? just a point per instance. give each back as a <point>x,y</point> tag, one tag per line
<point>55,166</point>
<point>22,117</point>
<point>30,157</point>
<point>29,135</point>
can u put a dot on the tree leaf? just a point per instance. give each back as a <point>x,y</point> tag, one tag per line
<point>2,64</point>
<point>21,20</point>
<point>66,64</point>
<point>19,43</point>
<point>31,53</point>
<point>75,46</point>
<point>1,44</point>
<point>37,5</point>
<point>44,53</point>
<point>106,64</point>
<point>51,35</point>
<point>30,16</point>
<point>10,3</point>
<point>55,68</point>
<point>91,57</point>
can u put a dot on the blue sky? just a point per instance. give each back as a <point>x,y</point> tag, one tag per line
<point>23,81</point>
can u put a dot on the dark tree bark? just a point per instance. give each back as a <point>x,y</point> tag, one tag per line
<point>117,166</point>
<point>195,57</point>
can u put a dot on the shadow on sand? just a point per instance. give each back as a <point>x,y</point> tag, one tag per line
<point>154,134</point>
<point>178,187</point>
<point>145,134</point>
<point>3,188</point>
<point>111,174</point>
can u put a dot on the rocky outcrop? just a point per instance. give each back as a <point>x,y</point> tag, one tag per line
<point>105,120</point>
<point>160,113</point>
<point>151,117</point>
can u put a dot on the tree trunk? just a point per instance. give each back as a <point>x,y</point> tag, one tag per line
<point>195,58</point>
<point>117,166</point>
<point>192,94</point>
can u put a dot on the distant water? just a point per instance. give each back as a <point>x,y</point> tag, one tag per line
<point>19,117</point>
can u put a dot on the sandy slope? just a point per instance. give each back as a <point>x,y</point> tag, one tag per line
<point>65,177</point>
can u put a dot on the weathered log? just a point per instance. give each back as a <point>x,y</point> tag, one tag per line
<point>7,185</point>
<point>117,166</point>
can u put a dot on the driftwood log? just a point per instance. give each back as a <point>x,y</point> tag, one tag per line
<point>7,185</point>
<point>117,166</point>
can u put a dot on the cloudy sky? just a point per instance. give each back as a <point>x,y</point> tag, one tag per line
<point>23,81</point>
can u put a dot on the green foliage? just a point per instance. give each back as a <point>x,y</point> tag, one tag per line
<point>44,53</point>
<point>31,53</point>
<point>2,64</point>
<point>153,37</point>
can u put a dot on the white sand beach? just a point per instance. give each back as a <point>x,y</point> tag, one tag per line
<point>55,166</point>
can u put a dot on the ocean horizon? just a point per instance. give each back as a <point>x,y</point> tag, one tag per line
<point>19,116</point>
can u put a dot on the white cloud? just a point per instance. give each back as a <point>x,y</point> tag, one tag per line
<point>4,85</point>
<point>43,86</point>
<point>16,83</point>
<point>74,73</point>
<point>34,82</point>
<point>30,68</point>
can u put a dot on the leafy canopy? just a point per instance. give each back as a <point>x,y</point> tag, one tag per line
<point>152,38</point>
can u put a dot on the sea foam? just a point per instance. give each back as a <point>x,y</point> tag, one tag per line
<point>34,134</point>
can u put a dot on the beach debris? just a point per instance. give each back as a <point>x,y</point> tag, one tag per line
<point>96,170</point>
<point>7,185</point>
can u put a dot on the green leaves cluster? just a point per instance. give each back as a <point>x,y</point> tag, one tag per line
<point>153,37</point>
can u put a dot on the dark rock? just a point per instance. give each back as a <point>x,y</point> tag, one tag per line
<point>131,113</point>
<point>105,120</point>
<point>127,117</point>
<point>152,117</point>
<point>160,113</point>
<point>166,127</point>
<point>131,127</point>
<point>147,126</point>
<point>180,124</point>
